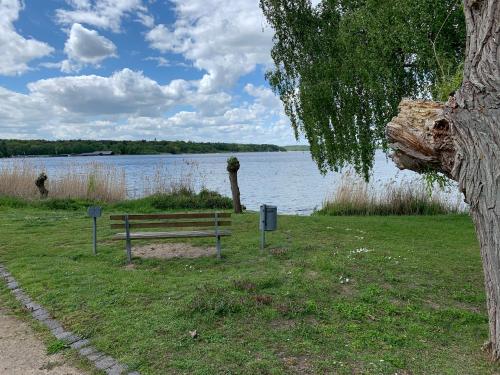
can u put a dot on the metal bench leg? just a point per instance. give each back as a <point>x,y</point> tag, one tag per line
<point>129,251</point>
<point>218,247</point>
<point>128,241</point>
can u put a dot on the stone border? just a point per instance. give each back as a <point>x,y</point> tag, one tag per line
<point>100,360</point>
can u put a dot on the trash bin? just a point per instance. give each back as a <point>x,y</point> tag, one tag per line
<point>268,218</point>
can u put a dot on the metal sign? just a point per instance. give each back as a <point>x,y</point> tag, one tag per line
<point>94,211</point>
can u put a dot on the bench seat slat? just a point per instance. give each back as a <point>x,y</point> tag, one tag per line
<point>183,234</point>
<point>177,224</point>
<point>195,215</point>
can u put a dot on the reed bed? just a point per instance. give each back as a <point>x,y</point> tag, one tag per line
<point>91,181</point>
<point>17,179</point>
<point>162,182</point>
<point>172,186</point>
<point>354,196</point>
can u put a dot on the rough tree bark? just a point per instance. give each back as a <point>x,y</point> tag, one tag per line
<point>461,138</point>
<point>40,184</point>
<point>233,165</point>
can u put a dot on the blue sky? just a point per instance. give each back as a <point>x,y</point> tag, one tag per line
<point>138,69</point>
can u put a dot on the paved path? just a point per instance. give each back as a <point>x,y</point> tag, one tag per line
<point>22,353</point>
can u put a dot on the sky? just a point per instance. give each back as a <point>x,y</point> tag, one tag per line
<point>138,69</point>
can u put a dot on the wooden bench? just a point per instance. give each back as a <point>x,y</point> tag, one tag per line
<point>207,224</point>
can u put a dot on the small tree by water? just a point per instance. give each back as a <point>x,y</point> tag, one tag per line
<point>233,165</point>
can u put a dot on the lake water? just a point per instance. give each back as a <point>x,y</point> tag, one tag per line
<point>289,180</point>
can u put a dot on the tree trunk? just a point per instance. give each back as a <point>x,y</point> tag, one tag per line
<point>235,190</point>
<point>462,140</point>
<point>40,184</point>
<point>233,165</point>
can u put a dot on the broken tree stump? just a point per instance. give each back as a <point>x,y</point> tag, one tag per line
<point>40,184</point>
<point>233,165</point>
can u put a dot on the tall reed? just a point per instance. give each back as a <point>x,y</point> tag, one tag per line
<point>354,196</point>
<point>17,179</point>
<point>97,181</point>
<point>93,181</point>
<point>163,182</point>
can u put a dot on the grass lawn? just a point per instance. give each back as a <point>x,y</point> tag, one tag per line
<point>343,295</point>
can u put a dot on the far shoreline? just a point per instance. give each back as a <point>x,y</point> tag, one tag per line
<point>78,147</point>
<point>148,154</point>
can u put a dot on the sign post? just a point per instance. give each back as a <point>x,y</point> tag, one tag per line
<point>94,212</point>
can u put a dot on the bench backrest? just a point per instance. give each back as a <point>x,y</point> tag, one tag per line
<point>180,220</point>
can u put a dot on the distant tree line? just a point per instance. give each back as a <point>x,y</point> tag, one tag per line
<point>14,147</point>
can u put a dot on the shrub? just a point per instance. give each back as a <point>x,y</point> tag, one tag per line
<point>190,200</point>
<point>12,202</point>
<point>64,204</point>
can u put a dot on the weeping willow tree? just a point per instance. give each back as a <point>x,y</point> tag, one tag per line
<point>342,68</point>
<point>345,68</point>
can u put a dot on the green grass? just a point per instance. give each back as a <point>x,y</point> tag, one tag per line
<point>364,295</point>
<point>56,346</point>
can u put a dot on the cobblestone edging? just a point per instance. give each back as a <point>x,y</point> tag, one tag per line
<point>100,360</point>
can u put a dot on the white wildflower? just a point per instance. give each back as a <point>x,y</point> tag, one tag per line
<point>360,250</point>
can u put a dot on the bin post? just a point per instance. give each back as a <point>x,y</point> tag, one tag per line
<point>262,227</point>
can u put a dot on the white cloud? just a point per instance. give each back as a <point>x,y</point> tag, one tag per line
<point>224,42</point>
<point>146,19</point>
<point>128,105</point>
<point>85,47</point>
<point>23,116</point>
<point>162,39</point>
<point>227,41</point>
<point>265,98</point>
<point>104,14</point>
<point>51,65</point>
<point>124,92</point>
<point>160,61</point>
<point>17,51</point>
<point>210,104</point>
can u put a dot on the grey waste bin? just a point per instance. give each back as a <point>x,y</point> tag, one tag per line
<point>268,217</point>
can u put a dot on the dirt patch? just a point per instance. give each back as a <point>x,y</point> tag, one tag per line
<point>347,290</point>
<point>245,285</point>
<point>433,305</point>
<point>283,324</point>
<point>22,353</point>
<point>296,364</point>
<point>263,299</point>
<point>172,250</point>
<point>278,251</point>
<point>466,306</point>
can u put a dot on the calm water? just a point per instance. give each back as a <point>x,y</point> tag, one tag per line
<point>289,180</point>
